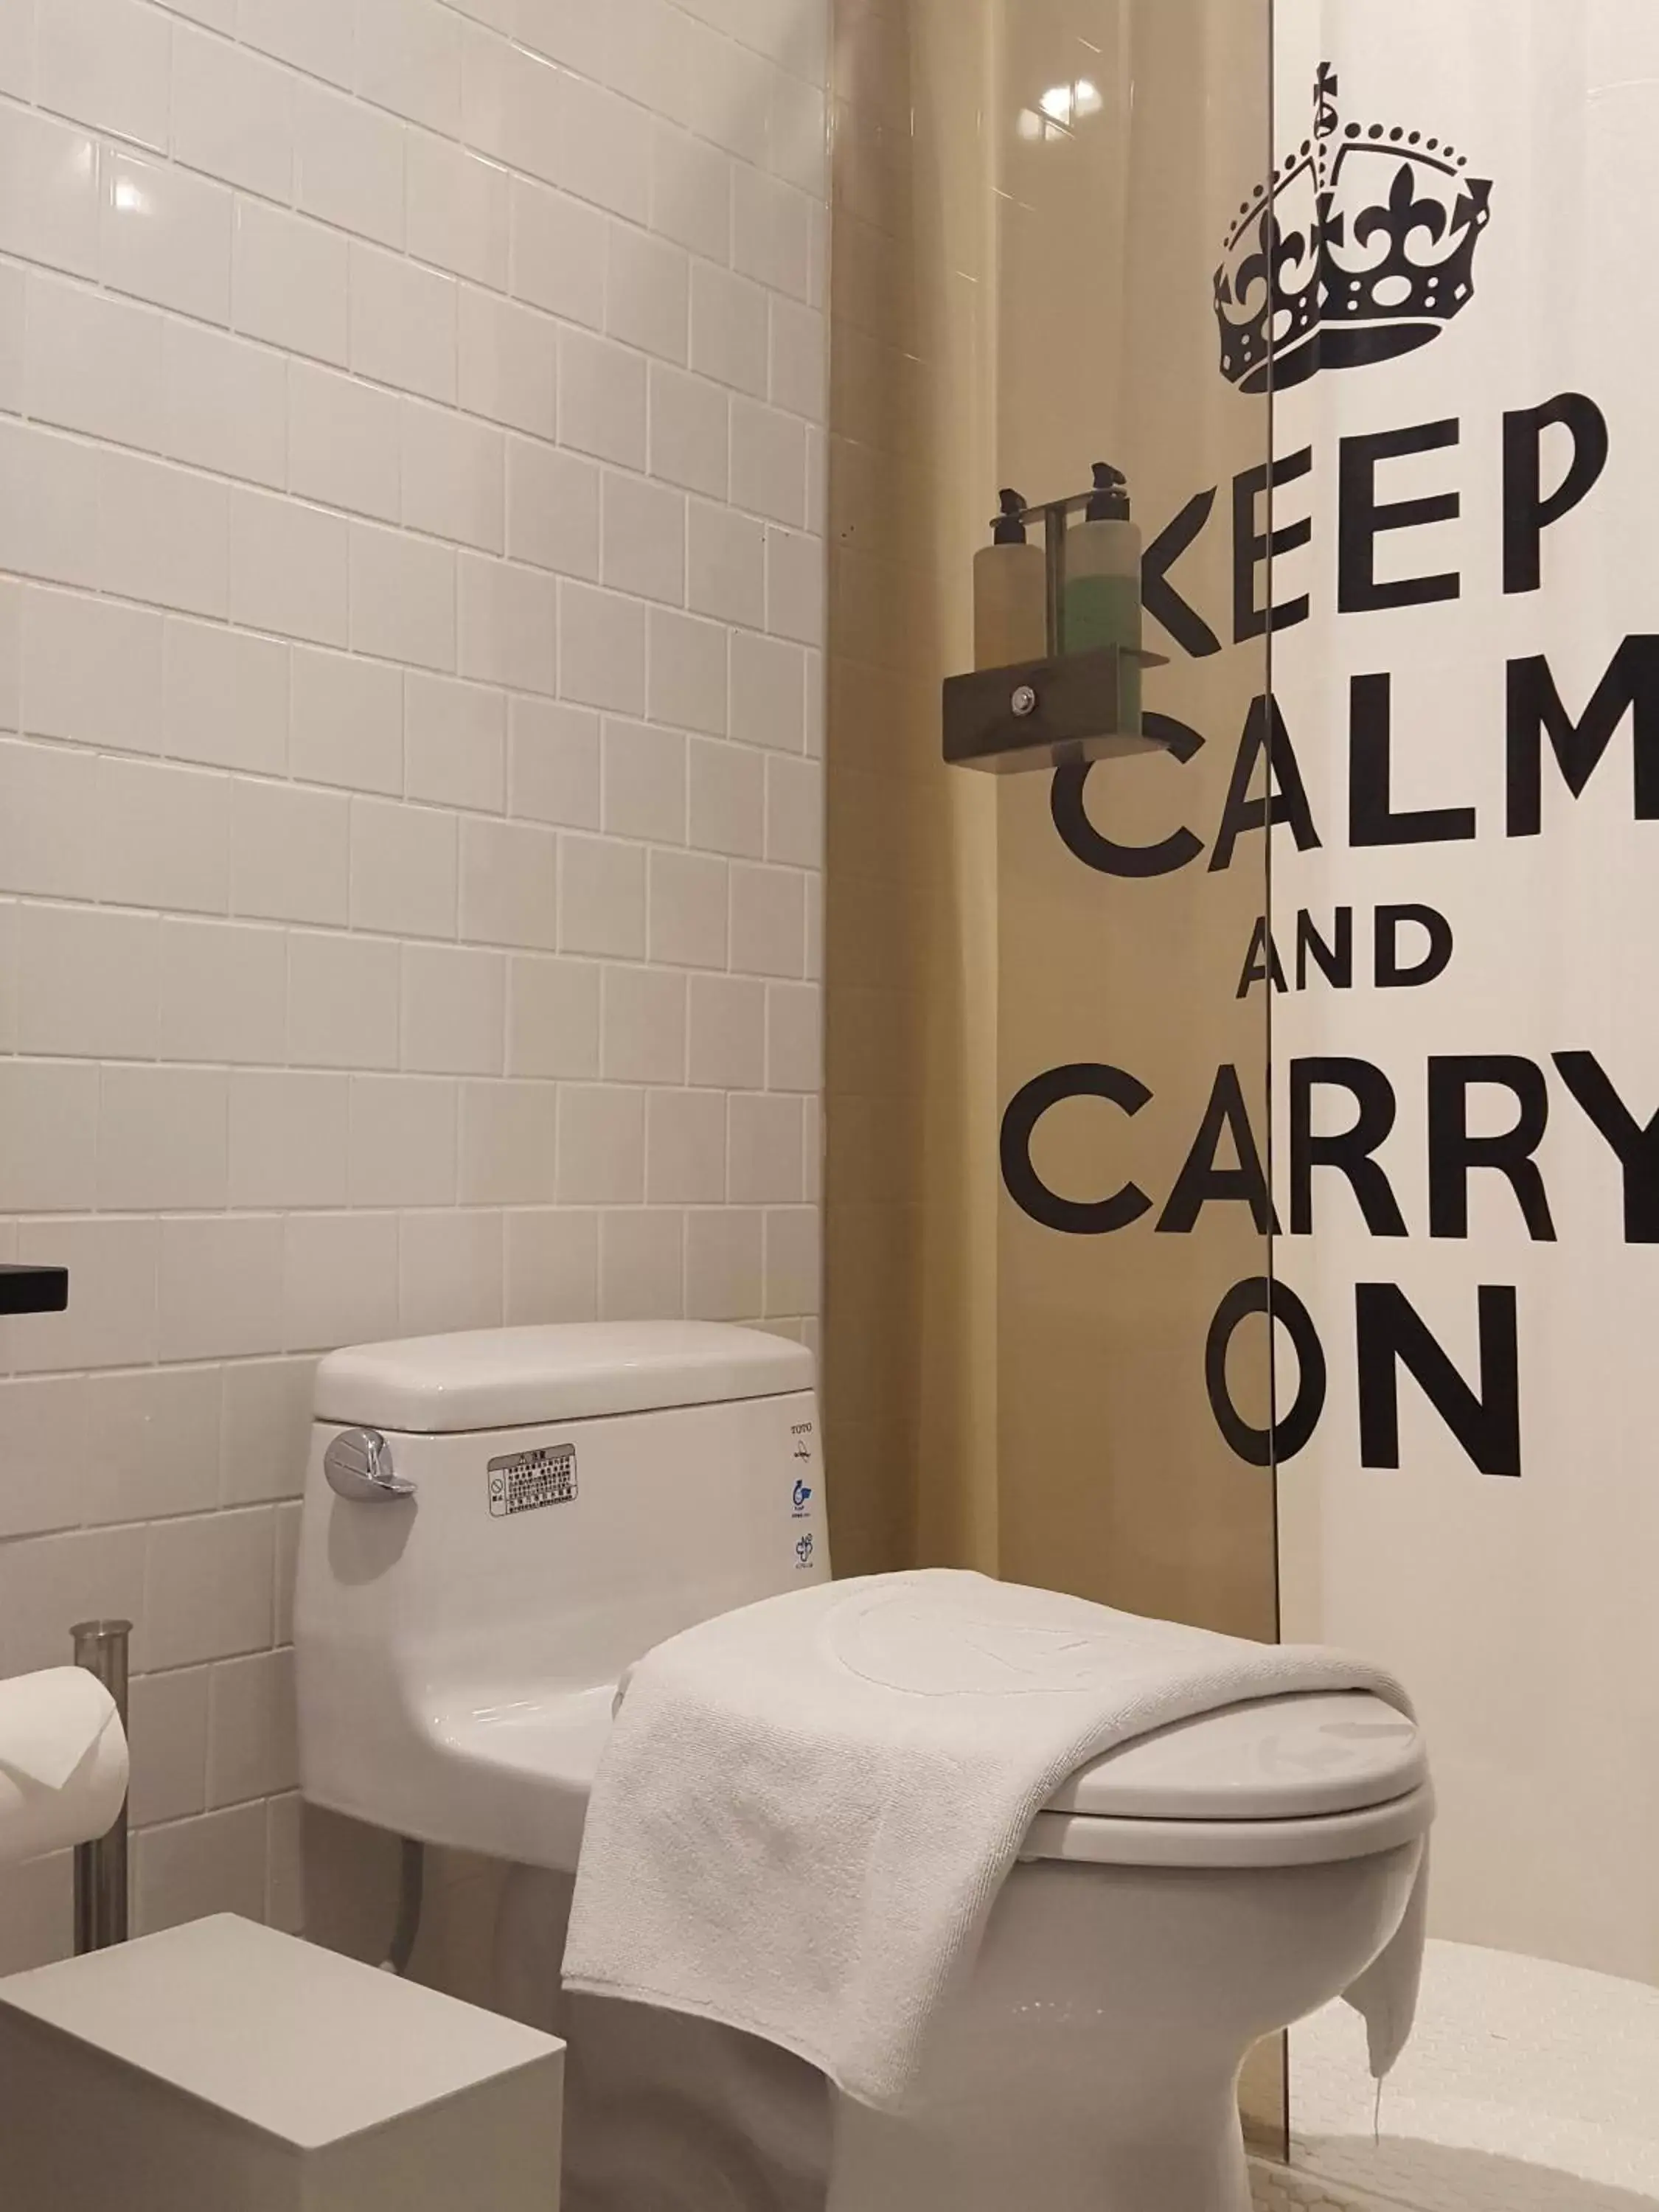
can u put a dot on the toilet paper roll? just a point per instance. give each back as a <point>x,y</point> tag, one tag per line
<point>62,1762</point>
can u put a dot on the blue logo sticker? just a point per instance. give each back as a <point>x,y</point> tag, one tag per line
<point>803,1500</point>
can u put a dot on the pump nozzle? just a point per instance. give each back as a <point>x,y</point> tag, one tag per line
<point>1009,528</point>
<point>1110,502</point>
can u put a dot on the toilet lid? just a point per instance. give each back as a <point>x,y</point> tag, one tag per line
<point>1278,1758</point>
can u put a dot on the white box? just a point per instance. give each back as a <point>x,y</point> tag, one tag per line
<point>222,2067</point>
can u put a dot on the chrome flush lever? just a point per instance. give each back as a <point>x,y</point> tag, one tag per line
<point>358,1465</point>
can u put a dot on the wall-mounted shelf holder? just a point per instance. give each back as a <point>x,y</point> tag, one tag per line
<point>33,1290</point>
<point>1047,713</point>
<point>1067,709</point>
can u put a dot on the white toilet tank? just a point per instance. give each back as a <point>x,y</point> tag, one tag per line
<point>511,1517</point>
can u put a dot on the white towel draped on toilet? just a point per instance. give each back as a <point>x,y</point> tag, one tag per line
<point>806,1808</point>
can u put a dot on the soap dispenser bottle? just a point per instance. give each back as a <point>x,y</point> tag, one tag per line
<point>1010,594</point>
<point>1102,605</point>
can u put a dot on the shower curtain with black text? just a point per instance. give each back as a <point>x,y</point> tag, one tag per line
<point>1454,294</point>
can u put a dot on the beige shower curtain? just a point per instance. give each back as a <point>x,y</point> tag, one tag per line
<point>1026,213</point>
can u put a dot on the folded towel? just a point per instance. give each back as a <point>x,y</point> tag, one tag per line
<point>806,1808</point>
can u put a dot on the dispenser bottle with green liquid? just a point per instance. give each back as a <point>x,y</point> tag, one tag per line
<point>1102,602</point>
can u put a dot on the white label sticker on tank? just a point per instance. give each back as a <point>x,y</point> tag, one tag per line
<point>524,1481</point>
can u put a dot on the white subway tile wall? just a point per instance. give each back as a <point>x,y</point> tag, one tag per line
<point>410,800</point>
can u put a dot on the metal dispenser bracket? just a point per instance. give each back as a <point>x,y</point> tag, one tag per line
<point>1056,713</point>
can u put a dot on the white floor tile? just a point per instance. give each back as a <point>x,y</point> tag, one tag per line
<point>1528,2086</point>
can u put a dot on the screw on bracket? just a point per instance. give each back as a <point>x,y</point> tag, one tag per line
<point>1024,701</point>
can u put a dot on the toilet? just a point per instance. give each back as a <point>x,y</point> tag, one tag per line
<point>496,1524</point>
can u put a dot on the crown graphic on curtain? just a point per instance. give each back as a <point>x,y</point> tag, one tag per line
<point>1360,248</point>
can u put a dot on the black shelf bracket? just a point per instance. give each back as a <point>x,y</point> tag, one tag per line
<point>33,1290</point>
<point>1048,713</point>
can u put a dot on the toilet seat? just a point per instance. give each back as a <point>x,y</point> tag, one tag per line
<point>1283,1781</point>
<point>1292,1781</point>
<point>1318,1841</point>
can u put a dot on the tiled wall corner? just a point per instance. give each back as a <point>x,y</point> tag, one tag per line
<point>412,797</point>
